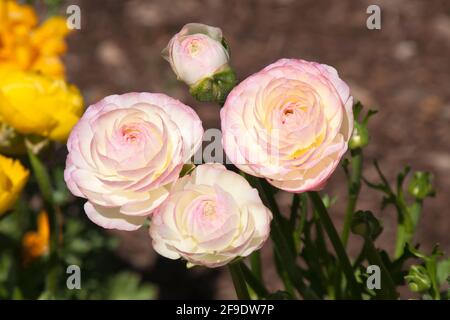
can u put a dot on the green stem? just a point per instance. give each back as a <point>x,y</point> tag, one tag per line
<point>431,267</point>
<point>294,209</point>
<point>314,261</point>
<point>256,284</point>
<point>336,242</point>
<point>238,280</point>
<point>43,181</point>
<point>283,247</point>
<point>255,262</point>
<point>323,257</point>
<point>282,244</point>
<point>400,240</point>
<point>405,228</point>
<point>387,290</point>
<point>407,223</point>
<point>282,273</point>
<point>354,186</point>
<point>360,258</point>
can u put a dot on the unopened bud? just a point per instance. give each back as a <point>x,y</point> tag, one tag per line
<point>199,56</point>
<point>365,224</point>
<point>360,136</point>
<point>418,279</point>
<point>420,185</point>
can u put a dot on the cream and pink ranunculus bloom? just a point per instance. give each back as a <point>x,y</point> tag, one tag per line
<point>196,52</point>
<point>289,123</point>
<point>125,152</point>
<point>211,217</point>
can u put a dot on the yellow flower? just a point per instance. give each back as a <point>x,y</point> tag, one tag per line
<point>27,46</point>
<point>13,177</point>
<point>35,244</point>
<point>32,103</point>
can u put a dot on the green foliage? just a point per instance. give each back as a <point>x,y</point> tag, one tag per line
<point>103,275</point>
<point>323,272</point>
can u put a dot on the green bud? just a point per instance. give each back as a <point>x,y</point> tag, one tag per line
<point>365,224</point>
<point>418,279</point>
<point>360,136</point>
<point>420,185</point>
<point>216,87</point>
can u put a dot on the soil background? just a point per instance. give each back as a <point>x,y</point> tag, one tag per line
<point>402,70</point>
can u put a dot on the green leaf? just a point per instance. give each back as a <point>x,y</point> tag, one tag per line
<point>128,286</point>
<point>443,271</point>
<point>357,108</point>
<point>369,114</point>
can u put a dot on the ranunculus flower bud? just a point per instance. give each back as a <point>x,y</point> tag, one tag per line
<point>289,123</point>
<point>199,56</point>
<point>421,185</point>
<point>360,136</point>
<point>125,152</point>
<point>211,217</point>
<point>365,224</point>
<point>13,177</point>
<point>418,279</point>
<point>35,104</point>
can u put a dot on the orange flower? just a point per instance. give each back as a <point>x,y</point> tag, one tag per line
<point>26,46</point>
<point>35,244</point>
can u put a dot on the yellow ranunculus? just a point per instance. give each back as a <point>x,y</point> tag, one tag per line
<point>35,104</point>
<point>26,46</point>
<point>13,177</point>
<point>36,243</point>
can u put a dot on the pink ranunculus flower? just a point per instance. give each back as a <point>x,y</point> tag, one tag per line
<point>196,52</point>
<point>211,217</point>
<point>125,152</point>
<point>289,123</point>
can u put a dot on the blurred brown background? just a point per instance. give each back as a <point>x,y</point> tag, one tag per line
<point>403,70</point>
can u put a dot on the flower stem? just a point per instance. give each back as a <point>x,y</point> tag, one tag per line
<point>354,186</point>
<point>294,209</point>
<point>387,284</point>
<point>43,181</point>
<point>282,273</point>
<point>407,222</point>
<point>282,244</point>
<point>239,281</point>
<point>336,242</point>
<point>256,284</point>
<point>255,263</point>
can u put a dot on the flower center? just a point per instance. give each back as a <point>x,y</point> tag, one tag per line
<point>130,134</point>
<point>291,111</point>
<point>194,47</point>
<point>209,210</point>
